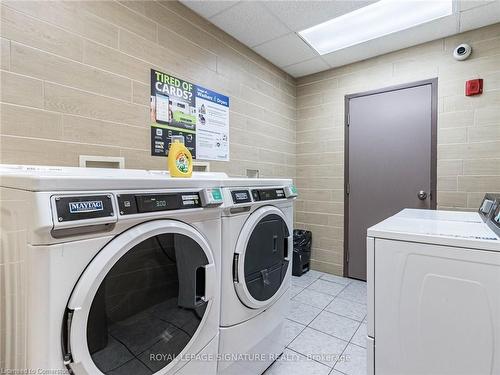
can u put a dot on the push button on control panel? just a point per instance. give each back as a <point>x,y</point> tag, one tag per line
<point>255,195</point>
<point>127,204</point>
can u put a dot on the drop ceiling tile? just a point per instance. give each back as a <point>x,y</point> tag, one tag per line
<point>285,50</point>
<point>305,68</point>
<point>208,8</point>
<point>299,15</point>
<point>258,23</point>
<point>250,23</point>
<point>480,16</point>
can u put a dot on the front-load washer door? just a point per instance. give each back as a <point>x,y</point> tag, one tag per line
<point>141,302</point>
<point>262,257</point>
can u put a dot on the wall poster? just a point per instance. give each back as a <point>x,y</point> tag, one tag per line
<point>200,115</point>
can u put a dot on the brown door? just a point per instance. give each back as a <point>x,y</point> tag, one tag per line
<point>390,160</point>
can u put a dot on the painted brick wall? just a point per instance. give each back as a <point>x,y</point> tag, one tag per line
<point>468,131</point>
<point>75,81</point>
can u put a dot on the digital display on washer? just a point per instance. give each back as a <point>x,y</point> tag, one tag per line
<point>151,203</point>
<point>132,204</point>
<point>268,194</point>
<point>241,196</point>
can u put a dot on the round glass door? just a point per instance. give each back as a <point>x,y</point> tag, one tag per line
<point>263,258</point>
<point>148,306</point>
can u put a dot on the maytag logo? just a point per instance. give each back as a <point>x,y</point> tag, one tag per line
<point>89,206</point>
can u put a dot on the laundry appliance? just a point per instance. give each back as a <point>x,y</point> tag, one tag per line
<point>109,271</point>
<point>434,294</point>
<point>489,202</point>
<point>257,250</point>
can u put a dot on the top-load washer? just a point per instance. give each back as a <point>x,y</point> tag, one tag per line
<point>257,230</point>
<point>109,271</point>
<point>487,205</point>
<point>434,295</point>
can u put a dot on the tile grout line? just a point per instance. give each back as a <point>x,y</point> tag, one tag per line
<point>345,286</point>
<point>322,310</point>
<point>308,325</point>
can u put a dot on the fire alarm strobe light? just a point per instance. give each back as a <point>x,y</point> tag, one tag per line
<point>474,87</point>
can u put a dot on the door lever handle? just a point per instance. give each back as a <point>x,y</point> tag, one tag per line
<point>422,195</point>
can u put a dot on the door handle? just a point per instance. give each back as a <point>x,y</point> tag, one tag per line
<point>210,281</point>
<point>422,195</point>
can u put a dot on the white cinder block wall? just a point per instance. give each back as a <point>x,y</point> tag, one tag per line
<point>468,131</point>
<point>75,80</point>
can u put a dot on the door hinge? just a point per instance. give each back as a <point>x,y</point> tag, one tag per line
<point>347,189</point>
<point>348,119</point>
<point>347,257</point>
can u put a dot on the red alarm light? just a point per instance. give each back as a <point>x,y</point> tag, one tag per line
<point>474,87</point>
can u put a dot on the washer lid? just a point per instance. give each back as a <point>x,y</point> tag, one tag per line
<point>262,257</point>
<point>415,213</point>
<point>148,291</point>
<point>443,232</point>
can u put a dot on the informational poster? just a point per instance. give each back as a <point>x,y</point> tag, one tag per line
<point>201,115</point>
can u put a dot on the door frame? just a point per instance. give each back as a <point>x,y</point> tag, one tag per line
<point>433,177</point>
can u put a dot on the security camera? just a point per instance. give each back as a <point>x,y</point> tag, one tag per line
<point>462,52</point>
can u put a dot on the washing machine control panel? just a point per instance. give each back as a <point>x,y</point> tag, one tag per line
<point>241,196</point>
<point>268,194</point>
<point>129,204</point>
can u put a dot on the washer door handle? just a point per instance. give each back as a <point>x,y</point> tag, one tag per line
<point>286,242</point>
<point>210,282</point>
<point>275,243</point>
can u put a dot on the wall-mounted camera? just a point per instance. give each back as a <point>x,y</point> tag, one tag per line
<point>462,52</point>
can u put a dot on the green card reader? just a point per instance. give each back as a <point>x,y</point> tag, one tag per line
<point>211,197</point>
<point>291,191</point>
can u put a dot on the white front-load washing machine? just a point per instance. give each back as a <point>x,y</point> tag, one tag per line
<point>109,272</point>
<point>257,245</point>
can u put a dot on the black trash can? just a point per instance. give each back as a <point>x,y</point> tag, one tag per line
<point>302,240</point>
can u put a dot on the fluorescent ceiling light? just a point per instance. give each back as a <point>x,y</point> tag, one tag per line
<point>373,21</point>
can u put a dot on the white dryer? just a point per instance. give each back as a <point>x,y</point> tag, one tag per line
<point>257,245</point>
<point>109,271</point>
<point>434,296</point>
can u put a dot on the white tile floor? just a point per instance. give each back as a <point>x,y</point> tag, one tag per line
<point>326,328</point>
